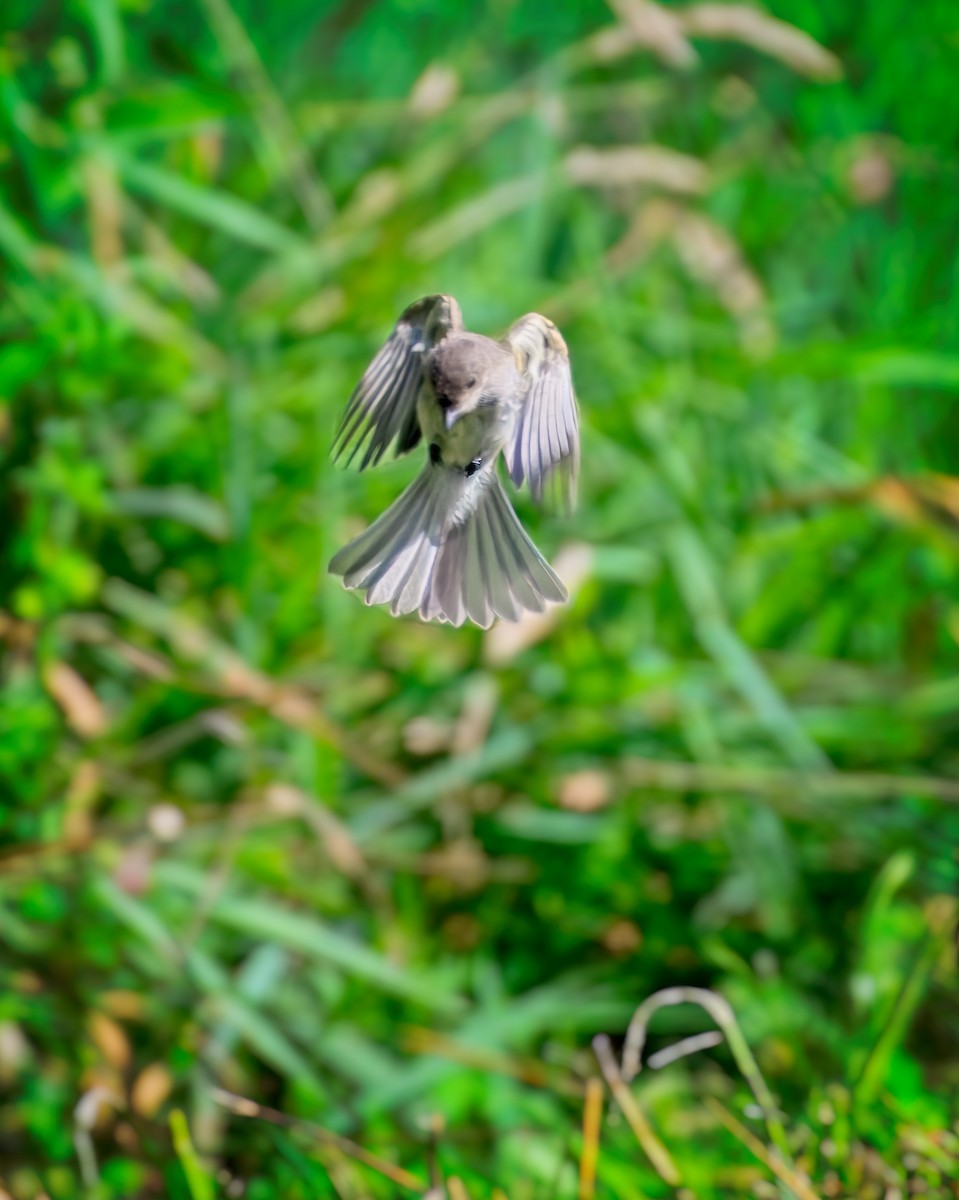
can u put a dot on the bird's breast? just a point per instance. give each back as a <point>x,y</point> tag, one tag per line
<point>479,434</point>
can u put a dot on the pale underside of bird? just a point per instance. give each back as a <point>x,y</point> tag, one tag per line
<point>451,548</point>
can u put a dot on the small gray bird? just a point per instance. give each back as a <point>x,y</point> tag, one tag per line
<point>451,547</point>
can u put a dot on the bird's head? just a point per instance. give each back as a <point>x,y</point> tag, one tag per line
<point>467,372</point>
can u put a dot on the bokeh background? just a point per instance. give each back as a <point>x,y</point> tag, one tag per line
<point>391,879</point>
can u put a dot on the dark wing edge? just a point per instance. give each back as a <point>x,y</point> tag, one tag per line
<point>382,409</point>
<point>545,446</point>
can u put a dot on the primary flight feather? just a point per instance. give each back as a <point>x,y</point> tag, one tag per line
<point>451,547</point>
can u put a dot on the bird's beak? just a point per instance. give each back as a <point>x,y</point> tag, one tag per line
<point>450,417</point>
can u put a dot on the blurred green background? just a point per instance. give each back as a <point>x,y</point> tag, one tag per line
<point>392,879</point>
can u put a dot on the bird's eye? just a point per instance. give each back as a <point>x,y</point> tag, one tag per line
<point>471,382</point>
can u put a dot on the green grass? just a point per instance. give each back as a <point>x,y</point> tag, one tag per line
<point>386,883</point>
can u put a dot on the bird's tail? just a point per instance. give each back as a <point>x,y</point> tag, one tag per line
<point>482,566</point>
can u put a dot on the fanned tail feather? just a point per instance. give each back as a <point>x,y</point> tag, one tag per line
<point>483,567</point>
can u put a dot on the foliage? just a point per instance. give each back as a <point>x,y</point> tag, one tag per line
<point>390,880</point>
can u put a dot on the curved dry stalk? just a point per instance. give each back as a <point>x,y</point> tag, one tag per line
<point>721,1012</point>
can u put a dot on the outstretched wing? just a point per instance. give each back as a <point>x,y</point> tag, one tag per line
<point>382,409</point>
<point>545,446</point>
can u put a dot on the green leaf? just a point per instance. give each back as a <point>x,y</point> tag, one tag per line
<point>219,210</point>
<point>263,919</point>
<point>182,504</point>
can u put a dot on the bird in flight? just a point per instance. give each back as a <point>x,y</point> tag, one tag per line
<point>451,548</point>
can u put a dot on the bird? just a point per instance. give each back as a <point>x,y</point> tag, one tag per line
<point>451,548</point>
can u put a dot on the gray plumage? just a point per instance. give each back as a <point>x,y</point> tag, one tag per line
<point>451,547</point>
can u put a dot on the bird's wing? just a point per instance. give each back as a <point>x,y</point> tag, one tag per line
<point>382,409</point>
<point>545,446</point>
